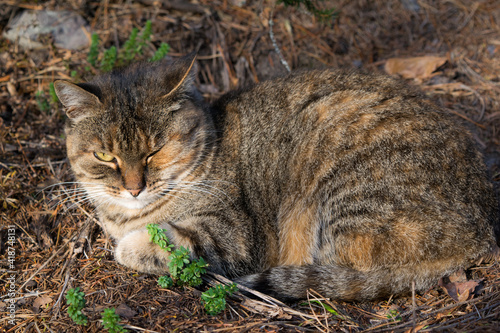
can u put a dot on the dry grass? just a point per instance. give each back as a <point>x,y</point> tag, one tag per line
<point>59,245</point>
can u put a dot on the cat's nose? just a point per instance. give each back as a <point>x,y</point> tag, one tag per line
<point>134,192</point>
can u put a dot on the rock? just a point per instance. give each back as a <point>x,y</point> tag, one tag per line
<point>66,28</point>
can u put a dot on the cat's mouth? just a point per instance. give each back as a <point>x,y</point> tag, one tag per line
<point>140,201</point>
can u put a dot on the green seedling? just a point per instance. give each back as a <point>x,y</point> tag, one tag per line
<point>214,299</point>
<point>110,321</point>
<point>76,301</point>
<point>94,49</point>
<point>161,52</point>
<point>188,272</point>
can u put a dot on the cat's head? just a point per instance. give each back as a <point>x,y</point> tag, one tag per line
<point>134,133</point>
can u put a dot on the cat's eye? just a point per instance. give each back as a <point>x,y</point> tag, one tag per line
<point>103,157</point>
<point>148,159</point>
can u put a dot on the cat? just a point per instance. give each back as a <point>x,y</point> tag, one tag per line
<point>347,183</point>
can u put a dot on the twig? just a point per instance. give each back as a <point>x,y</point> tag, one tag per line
<point>56,306</point>
<point>273,40</point>
<point>323,328</point>
<point>413,307</point>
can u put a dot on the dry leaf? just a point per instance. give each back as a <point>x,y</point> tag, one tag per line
<point>418,67</point>
<point>460,291</point>
<point>124,311</point>
<point>39,302</point>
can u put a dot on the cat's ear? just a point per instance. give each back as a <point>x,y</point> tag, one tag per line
<point>78,102</point>
<point>182,74</point>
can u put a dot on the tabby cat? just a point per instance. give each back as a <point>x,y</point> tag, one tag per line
<point>350,184</point>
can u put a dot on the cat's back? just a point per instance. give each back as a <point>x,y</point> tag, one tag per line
<point>336,107</point>
<point>365,135</point>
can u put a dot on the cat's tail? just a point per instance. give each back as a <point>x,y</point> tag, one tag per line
<point>340,283</point>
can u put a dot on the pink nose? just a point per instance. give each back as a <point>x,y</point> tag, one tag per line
<point>135,192</point>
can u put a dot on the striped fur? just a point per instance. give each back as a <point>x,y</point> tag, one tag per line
<point>347,183</point>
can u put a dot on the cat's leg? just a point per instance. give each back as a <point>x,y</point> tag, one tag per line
<point>223,239</point>
<point>136,251</point>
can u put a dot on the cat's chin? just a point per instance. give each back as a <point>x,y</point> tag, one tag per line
<point>130,202</point>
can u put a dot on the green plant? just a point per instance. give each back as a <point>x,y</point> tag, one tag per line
<point>133,46</point>
<point>94,49</point>
<point>187,272</point>
<point>52,92</point>
<point>41,101</point>
<point>178,259</point>
<point>161,52</point>
<point>181,269</point>
<point>165,281</point>
<point>108,59</point>
<point>129,49</point>
<point>76,300</point>
<point>158,236</point>
<point>145,36</point>
<point>311,6</point>
<point>394,315</point>
<point>110,321</point>
<point>214,299</point>
<point>191,274</point>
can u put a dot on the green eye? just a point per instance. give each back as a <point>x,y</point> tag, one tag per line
<point>103,157</point>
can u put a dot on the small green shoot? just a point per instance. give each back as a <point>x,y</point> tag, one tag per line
<point>214,299</point>
<point>108,59</point>
<point>165,281</point>
<point>129,49</point>
<point>158,236</point>
<point>161,52</point>
<point>394,315</point>
<point>145,36</point>
<point>181,268</point>
<point>135,46</point>
<point>110,321</point>
<point>42,102</point>
<point>52,92</point>
<point>178,259</point>
<point>94,49</point>
<point>76,300</point>
<point>191,274</point>
<point>325,306</point>
<point>187,272</point>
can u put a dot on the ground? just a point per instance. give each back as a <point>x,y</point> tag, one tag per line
<point>57,244</point>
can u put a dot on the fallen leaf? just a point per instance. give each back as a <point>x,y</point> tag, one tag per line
<point>414,68</point>
<point>460,291</point>
<point>39,302</point>
<point>124,311</point>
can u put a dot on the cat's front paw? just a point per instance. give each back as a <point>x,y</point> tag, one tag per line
<point>137,252</point>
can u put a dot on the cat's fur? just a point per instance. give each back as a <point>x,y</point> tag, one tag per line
<point>350,184</point>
